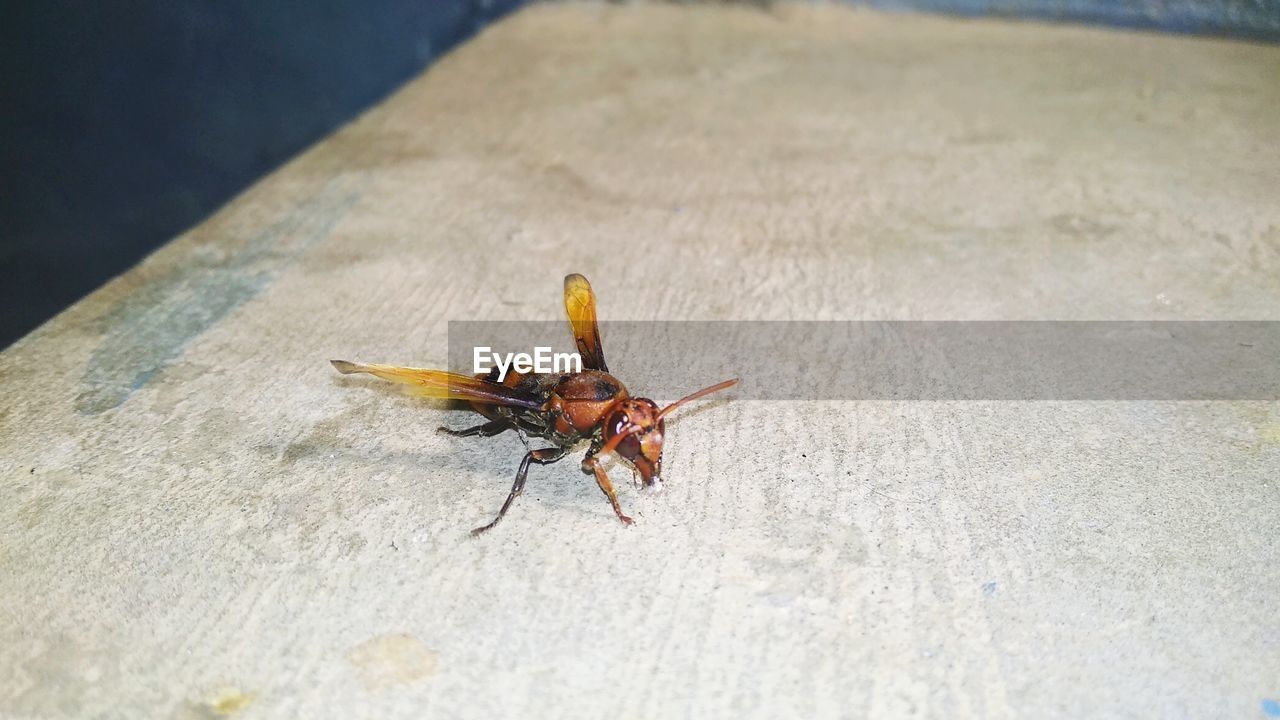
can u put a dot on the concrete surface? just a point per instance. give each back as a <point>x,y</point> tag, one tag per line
<point>202,520</point>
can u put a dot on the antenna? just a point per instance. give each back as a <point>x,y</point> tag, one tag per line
<point>688,398</point>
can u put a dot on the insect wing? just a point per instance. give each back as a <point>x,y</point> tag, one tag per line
<point>580,304</point>
<point>444,385</point>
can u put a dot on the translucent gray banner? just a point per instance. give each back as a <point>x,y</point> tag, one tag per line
<point>917,360</point>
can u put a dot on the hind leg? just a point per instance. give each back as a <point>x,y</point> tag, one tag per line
<point>489,429</point>
<point>542,457</point>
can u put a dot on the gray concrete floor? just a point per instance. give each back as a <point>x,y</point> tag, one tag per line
<point>201,520</point>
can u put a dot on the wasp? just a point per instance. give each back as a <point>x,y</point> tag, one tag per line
<point>564,409</point>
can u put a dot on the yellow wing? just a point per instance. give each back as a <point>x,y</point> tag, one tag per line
<point>444,385</point>
<point>580,304</point>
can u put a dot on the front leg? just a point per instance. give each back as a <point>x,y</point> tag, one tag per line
<point>592,465</point>
<point>545,456</point>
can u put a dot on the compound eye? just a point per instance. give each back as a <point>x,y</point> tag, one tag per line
<point>618,423</point>
<point>629,447</point>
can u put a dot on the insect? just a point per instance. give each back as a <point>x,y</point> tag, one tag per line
<point>563,409</point>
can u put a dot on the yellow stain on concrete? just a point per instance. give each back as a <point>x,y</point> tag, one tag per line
<point>1269,433</point>
<point>390,660</point>
<point>227,702</point>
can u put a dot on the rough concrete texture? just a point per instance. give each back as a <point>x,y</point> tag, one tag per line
<point>202,520</point>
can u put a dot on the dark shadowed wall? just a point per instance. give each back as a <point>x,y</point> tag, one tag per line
<point>122,124</point>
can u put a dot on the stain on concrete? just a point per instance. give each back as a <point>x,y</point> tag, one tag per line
<point>800,569</point>
<point>228,702</point>
<point>324,437</point>
<point>223,703</point>
<point>563,178</point>
<point>147,330</point>
<point>1269,433</point>
<point>1079,226</point>
<point>390,660</point>
<point>62,674</point>
<point>352,544</point>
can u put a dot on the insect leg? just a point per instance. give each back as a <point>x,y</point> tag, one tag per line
<point>489,429</point>
<point>545,456</point>
<point>592,465</point>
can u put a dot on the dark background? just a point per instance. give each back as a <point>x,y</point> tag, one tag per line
<point>122,124</point>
